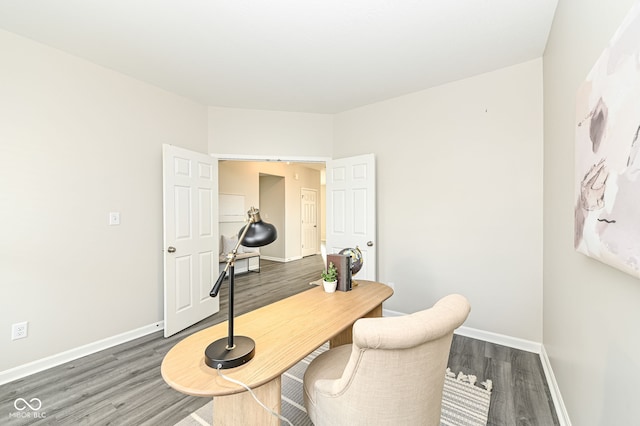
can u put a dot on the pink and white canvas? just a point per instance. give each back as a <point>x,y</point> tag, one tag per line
<point>607,168</point>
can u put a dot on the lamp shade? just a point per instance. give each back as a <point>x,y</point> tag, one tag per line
<point>259,233</point>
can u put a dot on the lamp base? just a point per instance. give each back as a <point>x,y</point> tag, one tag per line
<point>217,353</point>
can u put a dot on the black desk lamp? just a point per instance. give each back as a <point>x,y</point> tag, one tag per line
<point>236,350</point>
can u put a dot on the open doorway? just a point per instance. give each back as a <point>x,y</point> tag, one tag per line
<point>277,188</point>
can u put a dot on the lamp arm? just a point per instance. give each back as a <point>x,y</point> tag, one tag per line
<point>231,258</point>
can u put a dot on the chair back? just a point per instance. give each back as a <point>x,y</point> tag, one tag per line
<point>396,370</point>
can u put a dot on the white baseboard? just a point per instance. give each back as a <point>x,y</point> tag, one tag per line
<point>517,343</point>
<point>561,409</point>
<point>529,346</point>
<point>500,339</point>
<point>72,354</point>
<point>487,336</point>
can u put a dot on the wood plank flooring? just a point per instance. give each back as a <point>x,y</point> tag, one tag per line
<point>520,394</point>
<point>123,386</point>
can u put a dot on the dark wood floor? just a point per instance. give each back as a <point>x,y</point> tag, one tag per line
<point>123,386</point>
<point>520,394</point>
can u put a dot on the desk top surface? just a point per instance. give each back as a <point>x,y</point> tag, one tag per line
<point>284,332</point>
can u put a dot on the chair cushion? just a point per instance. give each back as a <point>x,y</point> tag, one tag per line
<point>328,365</point>
<point>229,243</point>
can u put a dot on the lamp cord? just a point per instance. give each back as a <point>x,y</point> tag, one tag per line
<point>237,382</point>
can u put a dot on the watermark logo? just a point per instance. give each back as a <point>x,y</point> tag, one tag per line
<point>21,404</point>
<point>30,409</point>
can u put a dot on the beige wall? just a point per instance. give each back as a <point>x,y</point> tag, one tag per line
<point>591,313</point>
<point>76,142</point>
<point>242,177</point>
<point>273,210</point>
<point>460,195</point>
<point>269,133</point>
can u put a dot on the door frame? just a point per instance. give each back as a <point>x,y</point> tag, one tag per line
<point>277,158</point>
<point>294,159</point>
<point>273,158</point>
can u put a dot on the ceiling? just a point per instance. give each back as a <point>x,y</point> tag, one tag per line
<point>322,56</point>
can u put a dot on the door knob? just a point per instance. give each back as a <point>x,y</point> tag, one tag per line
<point>369,243</point>
<point>171,249</point>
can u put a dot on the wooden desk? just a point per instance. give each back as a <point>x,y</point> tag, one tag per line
<point>285,332</point>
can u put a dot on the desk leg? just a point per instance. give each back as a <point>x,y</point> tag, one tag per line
<point>346,336</point>
<point>242,409</point>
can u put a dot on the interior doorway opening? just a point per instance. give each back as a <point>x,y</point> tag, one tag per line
<point>276,187</point>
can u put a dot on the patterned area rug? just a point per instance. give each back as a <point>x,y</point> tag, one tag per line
<point>463,402</point>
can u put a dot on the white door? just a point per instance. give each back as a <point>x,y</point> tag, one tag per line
<point>309,218</point>
<point>190,208</point>
<point>351,209</point>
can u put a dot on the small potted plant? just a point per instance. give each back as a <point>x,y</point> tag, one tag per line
<point>330,278</point>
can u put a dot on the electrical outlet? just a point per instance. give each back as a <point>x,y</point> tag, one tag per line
<point>114,218</point>
<point>19,330</point>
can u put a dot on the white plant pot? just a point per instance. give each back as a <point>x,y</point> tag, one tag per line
<point>329,286</point>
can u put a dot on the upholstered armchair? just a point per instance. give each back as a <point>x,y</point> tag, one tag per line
<point>392,374</point>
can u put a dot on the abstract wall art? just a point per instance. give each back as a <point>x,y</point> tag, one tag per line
<point>607,153</point>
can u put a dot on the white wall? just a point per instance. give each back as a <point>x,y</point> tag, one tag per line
<point>591,311</point>
<point>76,142</point>
<point>269,133</point>
<point>460,195</point>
